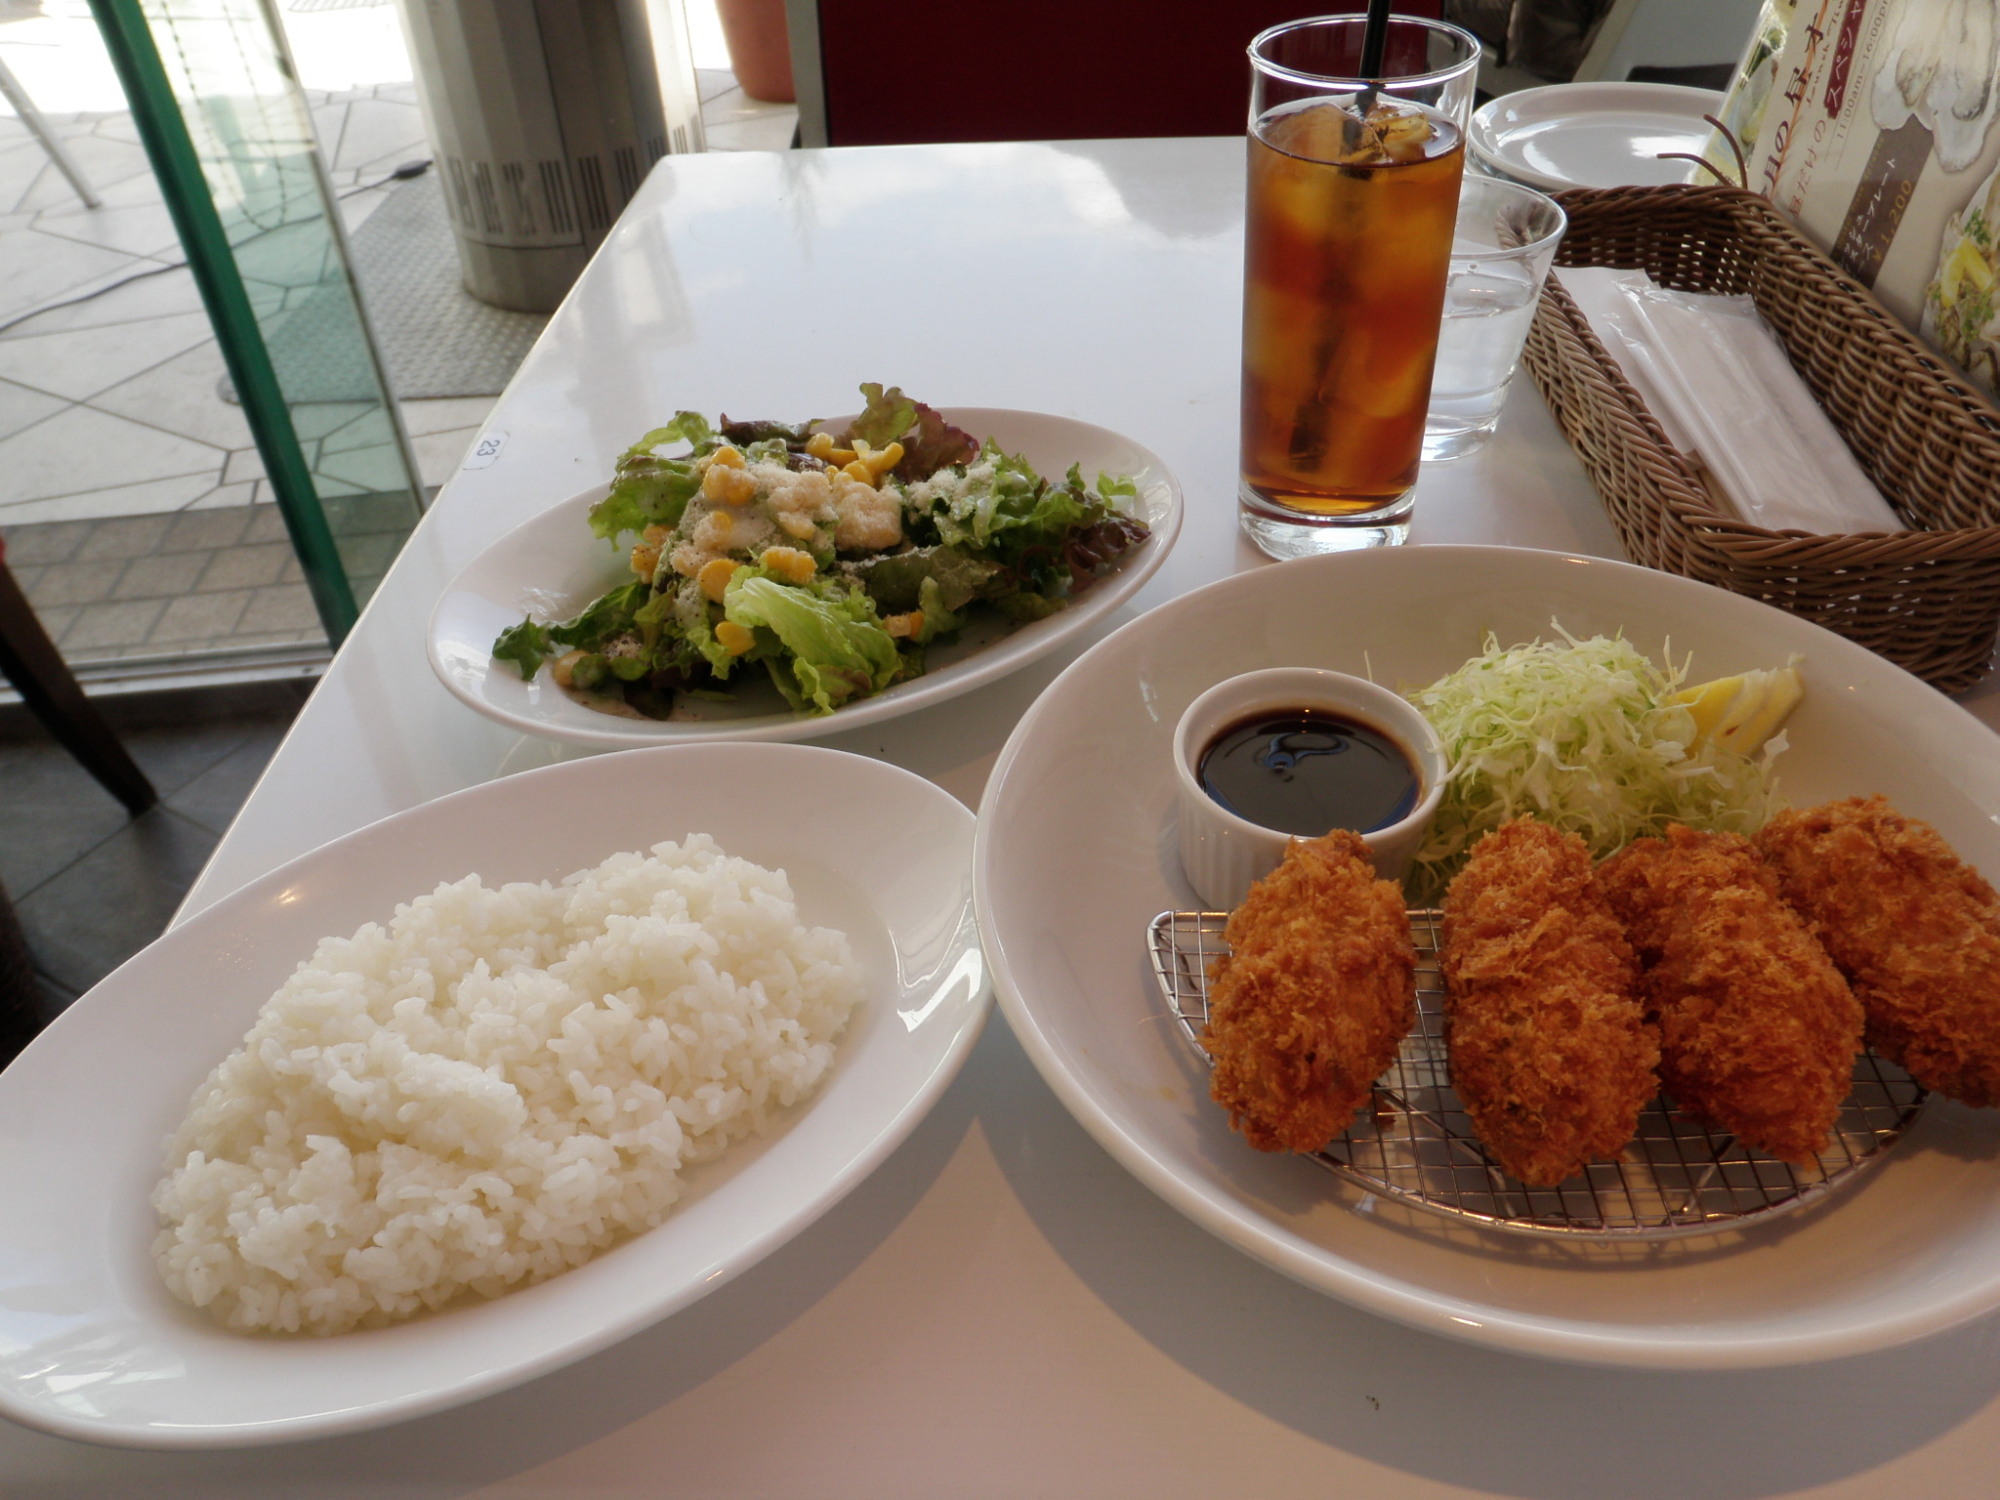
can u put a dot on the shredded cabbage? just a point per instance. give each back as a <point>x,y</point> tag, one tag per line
<point>1581,735</point>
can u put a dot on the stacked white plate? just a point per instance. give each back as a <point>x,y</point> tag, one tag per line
<point>1595,135</point>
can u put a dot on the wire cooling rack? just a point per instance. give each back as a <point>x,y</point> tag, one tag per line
<point>1415,1144</point>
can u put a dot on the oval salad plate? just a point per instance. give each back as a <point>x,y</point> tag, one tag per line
<point>552,566</point>
<point>1909,1249</point>
<point>93,1346</point>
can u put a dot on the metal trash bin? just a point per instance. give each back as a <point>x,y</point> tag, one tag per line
<point>546,116</point>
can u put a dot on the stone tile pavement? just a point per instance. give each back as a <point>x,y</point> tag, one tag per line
<point>109,386</point>
<point>187,583</point>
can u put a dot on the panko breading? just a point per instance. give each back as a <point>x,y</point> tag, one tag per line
<point>1550,1052</point>
<point>1315,996</point>
<point>1916,932</point>
<point>1758,1030</point>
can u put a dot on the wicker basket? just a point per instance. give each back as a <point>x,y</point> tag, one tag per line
<point>1929,598</point>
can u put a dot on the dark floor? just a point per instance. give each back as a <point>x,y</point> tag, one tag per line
<point>91,884</point>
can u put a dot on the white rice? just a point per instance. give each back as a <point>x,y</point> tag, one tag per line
<point>496,1087</point>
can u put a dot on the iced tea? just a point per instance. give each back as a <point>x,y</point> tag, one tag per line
<point>1348,239</point>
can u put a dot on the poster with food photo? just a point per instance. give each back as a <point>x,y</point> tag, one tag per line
<point>1752,88</point>
<point>1880,144</point>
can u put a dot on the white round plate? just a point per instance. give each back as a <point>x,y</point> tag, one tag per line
<point>1596,135</point>
<point>552,566</point>
<point>93,1346</point>
<point>1911,1250</point>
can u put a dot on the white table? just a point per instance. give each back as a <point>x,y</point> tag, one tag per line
<point>1001,1310</point>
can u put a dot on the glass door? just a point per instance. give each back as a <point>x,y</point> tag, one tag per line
<point>216,101</point>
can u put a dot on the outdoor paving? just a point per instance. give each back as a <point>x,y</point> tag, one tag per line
<point>182,583</point>
<point>115,444</point>
<point>110,406</point>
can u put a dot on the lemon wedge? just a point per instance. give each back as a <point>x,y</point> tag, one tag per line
<point>1740,713</point>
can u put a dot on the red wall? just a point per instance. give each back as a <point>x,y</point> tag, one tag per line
<point>1015,70</point>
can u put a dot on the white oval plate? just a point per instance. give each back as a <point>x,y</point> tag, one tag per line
<point>1912,1250</point>
<point>1596,135</point>
<point>92,1345</point>
<point>552,566</point>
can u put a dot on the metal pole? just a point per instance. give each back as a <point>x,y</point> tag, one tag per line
<point>157,114</point>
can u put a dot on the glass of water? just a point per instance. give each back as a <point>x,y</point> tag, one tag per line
<point>1500,256</point>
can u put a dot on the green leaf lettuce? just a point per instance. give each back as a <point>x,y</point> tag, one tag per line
<point>837,647</point>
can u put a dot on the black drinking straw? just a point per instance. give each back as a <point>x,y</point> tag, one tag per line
<point>1374,41</point>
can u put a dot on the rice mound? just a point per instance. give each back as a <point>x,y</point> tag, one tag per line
<point>494,1088</point>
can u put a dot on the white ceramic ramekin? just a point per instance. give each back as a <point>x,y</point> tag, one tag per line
<point>1222,854</point>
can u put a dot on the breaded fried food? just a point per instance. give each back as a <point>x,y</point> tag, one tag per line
<point>1550,1052</point>
<point>1916,932</point>
<point>1317,992</point>
<point>1758,1029</point>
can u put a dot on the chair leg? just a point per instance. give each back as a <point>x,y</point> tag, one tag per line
<point>31,662</point>
<point>24,107</point>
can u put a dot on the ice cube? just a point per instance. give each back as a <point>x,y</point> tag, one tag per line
<point>1405,133</point>
<point>1326,132</point>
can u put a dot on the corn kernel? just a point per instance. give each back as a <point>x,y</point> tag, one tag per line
<point>821,446</point>
<point>645,560</point>
<point>902,627</point>
<point>714,577</point>
<point>733,638</point>
<point>789,563</point>
<point>797,523</point>
<point>562,666</point>
<point>859,470</point>
<point>656,534</point>
<point>725,457</point>
<point>880,463</point>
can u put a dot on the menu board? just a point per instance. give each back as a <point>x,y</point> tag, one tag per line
<point>1879,144</point>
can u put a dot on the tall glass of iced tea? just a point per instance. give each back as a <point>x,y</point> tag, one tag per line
<point>1353,191</point>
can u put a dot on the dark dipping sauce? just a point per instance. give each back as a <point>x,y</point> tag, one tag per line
<point>1307,773</point>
